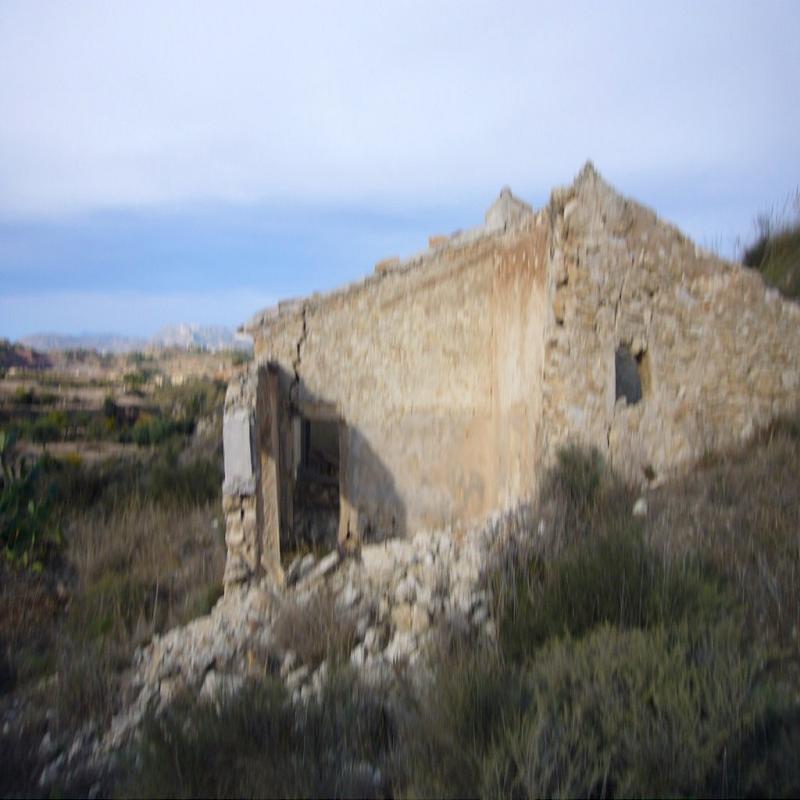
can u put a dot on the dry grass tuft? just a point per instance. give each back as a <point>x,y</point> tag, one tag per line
<point>315,629</point>
<point>741,512</point>
<point>140,572</point>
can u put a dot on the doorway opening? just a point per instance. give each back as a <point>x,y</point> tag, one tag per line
<point>316,483</point>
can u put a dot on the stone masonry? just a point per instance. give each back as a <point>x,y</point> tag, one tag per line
<point>452,378</point>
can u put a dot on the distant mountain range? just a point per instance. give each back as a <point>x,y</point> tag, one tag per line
<point>185,336</point>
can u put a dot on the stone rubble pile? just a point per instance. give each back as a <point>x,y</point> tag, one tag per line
<point>396,593</point>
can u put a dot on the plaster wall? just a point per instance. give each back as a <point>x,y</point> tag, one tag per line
<point>435,369</point>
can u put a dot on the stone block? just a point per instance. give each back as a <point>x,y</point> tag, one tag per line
<point>420,620</point>
<point>296,678</point>
<point>236,438</point>
<point>387,265</point>
<point>402,617</point>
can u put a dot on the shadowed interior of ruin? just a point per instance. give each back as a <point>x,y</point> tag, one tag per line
<point>316,482</point>
<point>627,369</point>
<point>311,460</point>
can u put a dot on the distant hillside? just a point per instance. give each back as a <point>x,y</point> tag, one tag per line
<point>101,342</point>
<point>18,355</point>
<point>185,336</point>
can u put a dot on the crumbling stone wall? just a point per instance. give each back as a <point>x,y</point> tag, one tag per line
<point>718,352</point>
<point>434,367</point>
<point>457,374</point>
<point>252,517</point>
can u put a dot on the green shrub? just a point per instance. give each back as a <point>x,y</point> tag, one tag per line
<point>577,476</point>
<point>446,734</point>
<point>28,535</point>
<point>191,400</point>
<point>24,397</point>
<point>136,380</point>
<point>87,688</point>
<point>110,408</point>
<point>680,711</point>
<point>580,496</point>
<point>112,484</point>
<point>168,481</point>
<point>574,483</point>
<point>52,427</point>
<point>116,604</point>
<point>644,713</point>
<point>207,599</point>
<point>594,566</point>
<point>776,254</point>
<point>613,578</point>
<point>155,430</point>
<point>29,397</point>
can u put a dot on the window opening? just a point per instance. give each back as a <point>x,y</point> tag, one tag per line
<point>628,372</point>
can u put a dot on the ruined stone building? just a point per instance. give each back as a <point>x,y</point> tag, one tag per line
<point>435,391</point>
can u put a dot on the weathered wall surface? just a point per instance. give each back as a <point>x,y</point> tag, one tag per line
<point>435,369</point>
<point>720,353</point>
<point>243,535</point>
<point>458,374</point>
<point>252,477</point>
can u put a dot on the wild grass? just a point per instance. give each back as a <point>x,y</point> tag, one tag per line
<point>257,744</point>
<point>646,713</point>
<point>741,513</point>
<point>122,549</point>
<point>630,660</point>
<point>446,733</point>
<point>775,252</point>
<point>624,664</point>
<point>654,656</point>
<point>143,551</point>
<point>140,571</point>
<point>167,479</point>
<point>315,630</point>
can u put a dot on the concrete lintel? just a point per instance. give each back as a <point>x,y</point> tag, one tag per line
<point>239,486</point>
<point>237,443</point>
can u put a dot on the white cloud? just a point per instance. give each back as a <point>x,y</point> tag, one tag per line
<point>161,104</point>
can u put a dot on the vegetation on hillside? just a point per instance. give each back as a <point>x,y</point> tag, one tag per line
<point>775,252</point>
<point>17,355</point>
<point>170,413</point>
<point>656,656</point>
<point>95,558</point>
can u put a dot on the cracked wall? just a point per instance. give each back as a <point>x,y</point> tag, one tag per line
<point>457,374</point>
<point>719,352</point>
<point>435,370</point>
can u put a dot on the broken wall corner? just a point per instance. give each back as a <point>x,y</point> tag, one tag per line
<point>239,486</point>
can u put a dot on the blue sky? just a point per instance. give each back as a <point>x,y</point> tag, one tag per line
<point>195,161</point>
